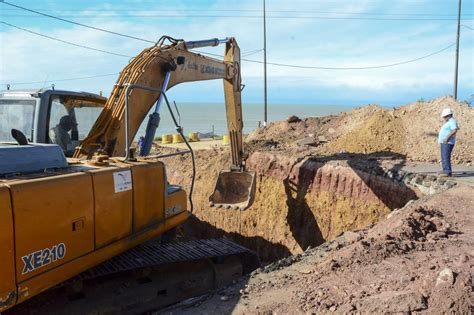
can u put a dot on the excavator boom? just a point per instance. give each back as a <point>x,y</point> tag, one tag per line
<point>161,67</point>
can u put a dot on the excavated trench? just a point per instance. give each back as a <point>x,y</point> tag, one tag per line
<point>299,202</point>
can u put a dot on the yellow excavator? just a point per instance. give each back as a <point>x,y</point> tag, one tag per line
<point>67,219</point>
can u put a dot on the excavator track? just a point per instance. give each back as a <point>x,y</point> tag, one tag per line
<point>147,278</point>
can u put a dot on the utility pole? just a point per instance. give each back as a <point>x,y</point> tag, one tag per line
<point>265,118</point>
<point>457,54</point>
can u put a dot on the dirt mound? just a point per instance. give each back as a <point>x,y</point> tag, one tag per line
<point>410,130</point>
<point>419,259</point>
<point>421,122</point>
<point>382,131</point>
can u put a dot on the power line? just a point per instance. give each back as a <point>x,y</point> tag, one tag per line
<point>467,27</point>
<point>270,63</point>
<point>66,42</point>
<point>76,23</point>
<point>354,68</point>
<point>244,59</point>
<point>252,52</point>
<point>62,18</point>
<point>237,10</point>
<point>62,80</point>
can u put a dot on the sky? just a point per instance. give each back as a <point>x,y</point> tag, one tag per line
<point>324,33</point>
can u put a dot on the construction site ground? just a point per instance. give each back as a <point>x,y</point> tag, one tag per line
<point>342,218</point>
<point>203,144</point>
<point>350,216</point>
<point>418,259</point>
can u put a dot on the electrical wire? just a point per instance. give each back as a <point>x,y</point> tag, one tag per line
<point>63,80</point>
<point>76,23</point>
<point>252,52</point>
<point>270,63</point>
<point>237,10</point>
<point>467,27</point>
<point>63,18</point>
<point>345,68</point>
<point>210,16</point>
<point>65,41</point>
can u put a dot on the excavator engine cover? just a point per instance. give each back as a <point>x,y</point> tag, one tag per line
<point>234,190</point>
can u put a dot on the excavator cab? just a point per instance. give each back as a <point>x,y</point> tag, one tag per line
<point>234,190</point>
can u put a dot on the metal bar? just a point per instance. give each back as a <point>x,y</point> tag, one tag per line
<point>154,119</point>
<point>205,43</point>
<point>265,118</point>
<point>168,155</point>
<point>457,53</point>
<point>127,93</point>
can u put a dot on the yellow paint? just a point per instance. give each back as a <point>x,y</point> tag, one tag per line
<point>177,138</point>
<point>113,210</point>
<point>225,139</point>
<point>85,212</point>
<point>45,210</point>
<point>148,192</point>
<point>193,136</point>
<point>166,139</point>
<point>51,278</point>
<point>176,202</point>
<point>7,262</point>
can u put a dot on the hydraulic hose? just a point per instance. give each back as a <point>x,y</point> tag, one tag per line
<point>179,129</point>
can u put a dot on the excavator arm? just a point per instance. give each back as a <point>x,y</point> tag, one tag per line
<point>161,67</point>
<point>149,68</point>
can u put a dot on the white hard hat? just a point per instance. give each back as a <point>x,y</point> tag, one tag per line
<point>446,112</point>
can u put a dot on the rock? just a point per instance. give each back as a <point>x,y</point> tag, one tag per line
<point>331,130</point>
<point>346,308</point>
<point>293,119</point>
<point>409,203</point>
<point>394,212</point>
<point>306,141</point>
<point>322,139</point>
<point>445,276</point>
<point>351,237</point>
<point>393,302</point>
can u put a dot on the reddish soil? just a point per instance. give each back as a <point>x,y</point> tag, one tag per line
<point>420,259</point>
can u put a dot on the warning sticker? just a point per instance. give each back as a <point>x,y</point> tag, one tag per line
<point>123,181</point>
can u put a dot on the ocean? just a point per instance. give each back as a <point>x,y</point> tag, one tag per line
<point>204,118</point>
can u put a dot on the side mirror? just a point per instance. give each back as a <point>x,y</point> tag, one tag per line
<point>19,137</point>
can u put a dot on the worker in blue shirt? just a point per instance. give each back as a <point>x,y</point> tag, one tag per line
<point>447,139</point>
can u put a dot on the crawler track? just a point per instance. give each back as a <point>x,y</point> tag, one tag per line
<point>146,278</point>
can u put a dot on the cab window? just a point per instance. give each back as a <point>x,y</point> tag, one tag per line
<point>70,120</point>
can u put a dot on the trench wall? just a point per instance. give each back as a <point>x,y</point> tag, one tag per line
<point>299,203</point>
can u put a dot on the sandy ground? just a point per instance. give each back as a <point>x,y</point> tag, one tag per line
<point>420,259</point>
<point>204,144</point>
<point>410,130</point>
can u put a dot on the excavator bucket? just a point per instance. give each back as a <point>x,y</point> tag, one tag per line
<point>234,190</point>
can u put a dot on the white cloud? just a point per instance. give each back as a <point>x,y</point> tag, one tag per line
<point>26,57</point>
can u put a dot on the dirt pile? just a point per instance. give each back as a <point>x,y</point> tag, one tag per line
<point>419,259</point>
<point>410,130</point>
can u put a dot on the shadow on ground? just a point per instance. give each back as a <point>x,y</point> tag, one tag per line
<point>302,220</point>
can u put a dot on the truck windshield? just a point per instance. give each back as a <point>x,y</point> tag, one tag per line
<point>18,114</point>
